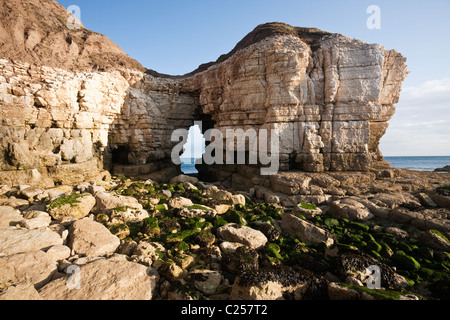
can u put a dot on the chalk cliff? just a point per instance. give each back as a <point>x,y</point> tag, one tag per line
<point>72,103</point>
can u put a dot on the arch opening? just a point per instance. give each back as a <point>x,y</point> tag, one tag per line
<point>193,150</point>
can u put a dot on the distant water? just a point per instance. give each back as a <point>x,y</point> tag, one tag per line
<point>411,163</point>
<point>418,163</point>
<point>188,166</point>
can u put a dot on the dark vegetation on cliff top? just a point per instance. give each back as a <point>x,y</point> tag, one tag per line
<point>310,36</point>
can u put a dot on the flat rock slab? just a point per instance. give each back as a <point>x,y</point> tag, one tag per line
<point>106,280</point>
<point>92,239</point>
<point>351,209</point>
<point>23,291</point>
<point>32,267</point>
<point>9,216</point>
<point>14,241</point>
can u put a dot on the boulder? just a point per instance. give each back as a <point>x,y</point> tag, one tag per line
<point>71,207</point>
<point>435,239</point>
<point>444,169</point>
<point>35,220</point>
<point>305,231</point>
<point>58,253</point>
<point>222,208</point>
<point>354,263</point>
<point>59,191</point>
<point>442,225</point>
<point>31,192</point>
<point>127,214</point>
<point>426,200</point>
<point>338,291</point>
<point>243,259</point>
<point>182,179</point>
<point>234,232</point>
<point>275,283</point>
<point>106,201</point>
<point>351,209</point>
<point>104,279</point>
<point>397,232</point>
<point>92,239</point>
<point>238,199</point>
<point>170,270</point>
<point>289,184</point>
<point>307,210</point>
<point>197,211</point>
<point>377,211</point>
<point>404,215</point>
<point>206,281</point>
<point>149,250</point>
<point>393,200</point>
<point>218,194</point>
<point>180,202</point>
<point>14,202</point>
<point>229,247</point>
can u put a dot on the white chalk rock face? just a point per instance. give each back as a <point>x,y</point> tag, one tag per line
<point>330,102</point>
<point>329,97</point>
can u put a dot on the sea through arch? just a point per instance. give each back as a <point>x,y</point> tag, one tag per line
<point>193,150</point>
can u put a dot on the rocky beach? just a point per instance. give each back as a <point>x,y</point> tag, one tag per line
<point>186,239</point>
<point>92,206</point>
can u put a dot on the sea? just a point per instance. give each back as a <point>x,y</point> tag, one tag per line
<point>418,163</point>
<point>188,166</point>
<point>411,163</point>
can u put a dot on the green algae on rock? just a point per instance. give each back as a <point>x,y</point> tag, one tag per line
<point>74,206</point>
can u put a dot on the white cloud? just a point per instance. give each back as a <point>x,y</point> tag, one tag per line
<point>421,125</point>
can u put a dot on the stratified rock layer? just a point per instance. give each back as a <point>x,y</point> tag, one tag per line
<point>330,105</point>
<point>329,96</point>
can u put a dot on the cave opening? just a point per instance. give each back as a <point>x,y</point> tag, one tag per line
<point>120,155</point>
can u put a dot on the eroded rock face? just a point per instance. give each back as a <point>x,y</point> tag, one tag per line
<point>331,103</point>
<point>329,96</point>
<point>69,126</point>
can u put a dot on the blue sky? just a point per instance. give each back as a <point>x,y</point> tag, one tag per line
<point>176,36</point>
